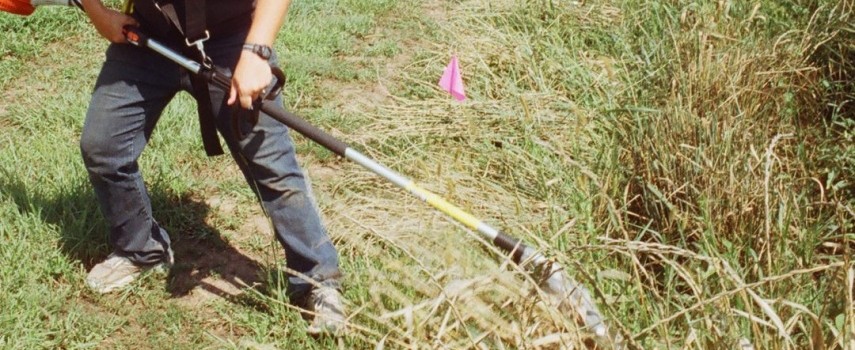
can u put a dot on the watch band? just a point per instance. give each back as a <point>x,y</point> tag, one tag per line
<point>262,51</point>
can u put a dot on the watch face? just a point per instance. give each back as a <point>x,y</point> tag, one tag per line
<point>266,52</point>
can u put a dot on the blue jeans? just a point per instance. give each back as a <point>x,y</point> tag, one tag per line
<point>134,86</point>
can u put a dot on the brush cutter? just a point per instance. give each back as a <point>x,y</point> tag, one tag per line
<point>27,7</point>
<point>564,290</point>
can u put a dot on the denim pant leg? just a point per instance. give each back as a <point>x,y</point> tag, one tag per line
<point>267,157</point>
<point>131,91</point>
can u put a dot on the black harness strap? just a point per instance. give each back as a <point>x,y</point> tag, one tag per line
<point>195,33</point>
<point>195,19</point>
<point>206,116</point>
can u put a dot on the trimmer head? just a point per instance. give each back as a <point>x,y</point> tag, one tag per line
<point>572,297</point>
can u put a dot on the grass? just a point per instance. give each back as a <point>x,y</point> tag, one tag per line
<point>690,162</point>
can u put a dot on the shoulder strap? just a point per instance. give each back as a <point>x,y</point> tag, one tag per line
<point>195,32</point>
<point>210,140</point>
<point>195,19</point>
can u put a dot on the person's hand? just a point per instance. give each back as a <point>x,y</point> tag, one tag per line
<point>110,23</point>
<point>252,75</point>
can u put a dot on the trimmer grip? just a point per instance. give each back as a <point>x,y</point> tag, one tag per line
<point>221,78</point>
<point>134,36</point>
<point>279,75</point>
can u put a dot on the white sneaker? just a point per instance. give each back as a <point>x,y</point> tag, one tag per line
<point>328,312</point>
<point>117,272</point>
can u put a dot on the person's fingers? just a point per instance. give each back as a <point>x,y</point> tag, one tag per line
<point>130,21</point>
<point>246,101</point>
<point>243,96</point>
<point>126,21</point>
<point>246,84</point>
<point>119,22</point>
<point>232,95</point>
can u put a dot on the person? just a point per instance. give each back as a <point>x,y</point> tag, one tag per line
<point>134,86</point>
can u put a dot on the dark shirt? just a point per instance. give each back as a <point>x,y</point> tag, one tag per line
<point>222,17</point>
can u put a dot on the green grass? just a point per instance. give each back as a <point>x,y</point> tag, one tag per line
<point>690,162</point>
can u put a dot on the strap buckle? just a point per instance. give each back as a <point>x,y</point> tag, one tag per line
<point>200,45</point>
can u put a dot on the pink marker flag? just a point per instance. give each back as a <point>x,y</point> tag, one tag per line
<point>452,81</point>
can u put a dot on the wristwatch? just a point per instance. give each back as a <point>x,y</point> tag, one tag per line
<point>262,51</point>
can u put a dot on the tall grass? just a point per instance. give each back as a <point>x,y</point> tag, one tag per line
<point>714,112</point>
<point>723,165</point>
<point>695,158</point>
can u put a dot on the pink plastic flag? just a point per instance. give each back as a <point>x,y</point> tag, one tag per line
<point>451,80</point>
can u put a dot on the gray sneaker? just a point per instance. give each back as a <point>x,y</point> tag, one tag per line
<point>117,271</point>
<point>328,312</point>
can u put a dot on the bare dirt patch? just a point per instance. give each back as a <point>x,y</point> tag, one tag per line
<point>351,98</point>
<point>322,173</point>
